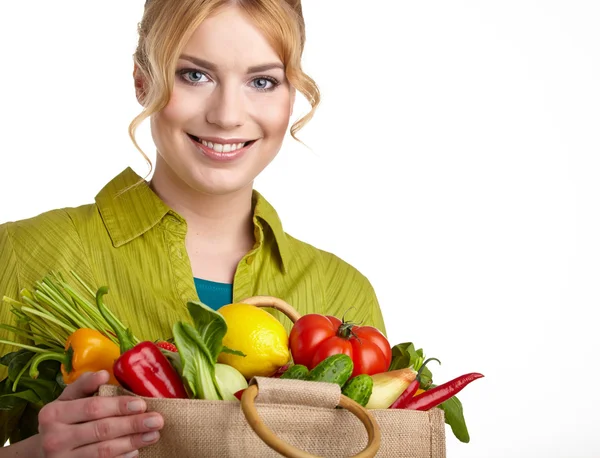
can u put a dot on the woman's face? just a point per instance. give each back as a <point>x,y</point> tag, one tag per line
<point>230,107</point>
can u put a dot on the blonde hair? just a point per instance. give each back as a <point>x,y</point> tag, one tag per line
<point>167,25</point>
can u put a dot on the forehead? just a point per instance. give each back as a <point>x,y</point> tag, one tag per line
<point>230,39</point>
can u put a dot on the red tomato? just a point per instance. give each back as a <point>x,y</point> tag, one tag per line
<point>314,337</point>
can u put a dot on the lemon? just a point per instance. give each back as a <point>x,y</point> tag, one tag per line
<point>258,335</point>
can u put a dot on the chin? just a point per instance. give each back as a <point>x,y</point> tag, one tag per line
<point>217,184</point>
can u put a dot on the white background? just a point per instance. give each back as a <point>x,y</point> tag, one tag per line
<point>454,161</point>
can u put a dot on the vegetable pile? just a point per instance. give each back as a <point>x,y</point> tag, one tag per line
<point>370,371</point>
<point>63,334</point>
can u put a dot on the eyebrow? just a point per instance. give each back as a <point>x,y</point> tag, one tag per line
<point>212,67</point>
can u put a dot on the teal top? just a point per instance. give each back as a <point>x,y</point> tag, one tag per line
<point>214,294</point>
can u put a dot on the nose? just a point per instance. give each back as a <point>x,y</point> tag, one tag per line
<point>226,107</point>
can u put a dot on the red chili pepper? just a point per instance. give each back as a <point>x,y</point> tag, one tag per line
<point>408,393</point>
<point>238,394</point>
<point>142,368</point>
<point>435,396</point>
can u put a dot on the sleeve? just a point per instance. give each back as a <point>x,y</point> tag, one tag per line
<point>373,305</point>
<point>9,286</point>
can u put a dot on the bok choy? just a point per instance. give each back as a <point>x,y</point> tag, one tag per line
<point>198,347</point>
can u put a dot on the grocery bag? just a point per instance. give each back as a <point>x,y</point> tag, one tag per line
<point>291,418</point>
<point>295,413</point>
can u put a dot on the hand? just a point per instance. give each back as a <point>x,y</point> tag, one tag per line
<point>79,426</point>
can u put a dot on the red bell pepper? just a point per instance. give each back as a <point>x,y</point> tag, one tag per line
<point>142,368</point>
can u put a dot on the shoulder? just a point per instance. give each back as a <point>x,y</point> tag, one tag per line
<point>44,242</point>
<point>45,227</point>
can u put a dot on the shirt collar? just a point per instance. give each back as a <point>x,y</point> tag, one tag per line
<point>263,210</point>
<point>129,208</point>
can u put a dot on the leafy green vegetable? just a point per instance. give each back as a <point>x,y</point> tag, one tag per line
<point>405,355</point>
<point>20,402</point>
<point>211,327</point>
<point>198,366</point>
<point>453,412</point>
<point>232,352</point>
<point>198,349</point>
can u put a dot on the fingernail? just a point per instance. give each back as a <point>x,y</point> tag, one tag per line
<point>132,454</point>
<point>136,406</point>
<point>149,437</point>
<point>152,422</point>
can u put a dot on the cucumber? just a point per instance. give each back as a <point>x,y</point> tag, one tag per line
<point>359,389</point>
<point>333,369</point>
<point>297,372</point>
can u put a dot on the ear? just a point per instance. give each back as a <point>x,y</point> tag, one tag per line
<point>140,84</point>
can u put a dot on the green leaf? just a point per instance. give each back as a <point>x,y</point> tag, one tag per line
<point>45,386</point>
<point>426,378</point>
<point>211,327</point>
<point>198,368</point>
<point>28,424</point>
<point>47,390</point>
<point>232,352</point>
<point>17,362</point>
<point>9,400</point>
<point>454,417</point>
<point>14,421</point>
<point>6,359</point>
<point>402,355</point>
<point>13,408</point>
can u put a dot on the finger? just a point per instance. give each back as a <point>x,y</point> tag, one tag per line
<point>123,446</point>
<point>86,385</point>
<point>97,407</point>
<point>108,429</point>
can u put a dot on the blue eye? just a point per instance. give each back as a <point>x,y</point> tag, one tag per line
<point>195,76</point>
<point>192,76</point>
<point>264,83</point>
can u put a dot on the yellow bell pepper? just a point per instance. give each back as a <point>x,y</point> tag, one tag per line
<point>86,350</point>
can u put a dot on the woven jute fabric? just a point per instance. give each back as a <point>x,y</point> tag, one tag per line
<point>299,412</point>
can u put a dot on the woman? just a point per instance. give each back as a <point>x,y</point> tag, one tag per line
<point>218,80</point>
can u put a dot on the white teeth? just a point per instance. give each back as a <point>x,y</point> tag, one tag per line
<point>223,148</point>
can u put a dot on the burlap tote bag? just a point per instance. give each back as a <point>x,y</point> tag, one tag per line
<point>291,418</point>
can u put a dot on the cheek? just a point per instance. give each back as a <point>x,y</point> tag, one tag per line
<point>275,116</point>
<point>179,109</point>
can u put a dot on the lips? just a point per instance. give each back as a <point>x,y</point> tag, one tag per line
<point>222,151</point>
<point>223,146</point>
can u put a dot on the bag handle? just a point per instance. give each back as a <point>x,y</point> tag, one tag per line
<point>268,436</point>
<point>289,451</point>
<point>274,302</point>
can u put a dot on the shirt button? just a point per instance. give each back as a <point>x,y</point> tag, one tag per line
<point>249,260</point>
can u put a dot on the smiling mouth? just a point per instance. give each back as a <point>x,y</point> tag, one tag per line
<point>221,147</point>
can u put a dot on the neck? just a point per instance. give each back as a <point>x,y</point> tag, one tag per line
<point>223,222</point>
